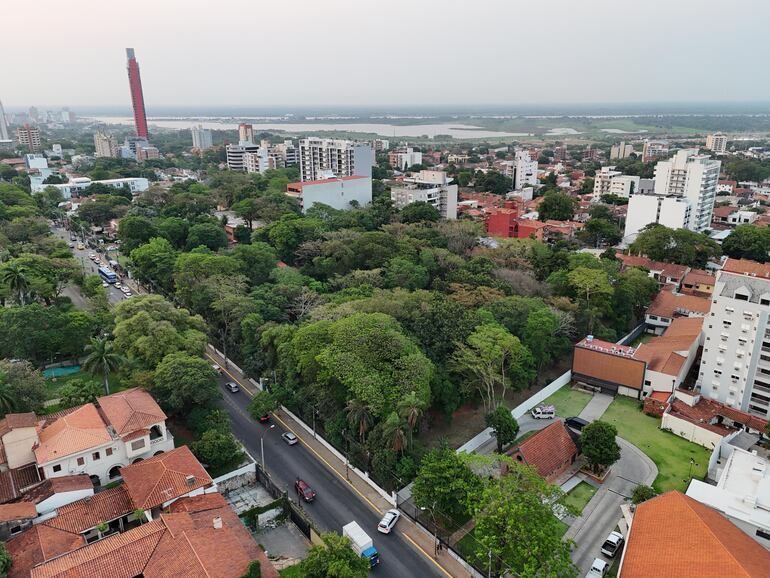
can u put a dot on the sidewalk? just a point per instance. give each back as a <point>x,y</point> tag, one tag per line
<point>420,539</point>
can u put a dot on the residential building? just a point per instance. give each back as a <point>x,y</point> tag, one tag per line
<point>344,158</point>
<point>664,273</point>
<point>246,133</point>
<point>137,96</point>
<point>673,535</point>
<point>236,155</point>
<point>457,159</point>
<point>404,157</point>
<point>698,282</point>
<point>732,216</point>
<point>591,154</point>
<point>608,181</point>
<point>380,145</point>
<point>735,366</point>
<point>258,159</point>
<point>15,518</point>
<point>4,136</point>
<point>669,305</point>
<point>717,143</point>
<point>35,161</point>
<point>337,192</point>
<point>560,154</point>
<point>201,138</point>
<point>28,136</point>
<point>741,494</point>
<point>145,153</point>
<point>672,212</point>
<point>106,145</point>
<point>551,451</point>
<point>77,185</point>
<point>621,150</point>
<point>258,162</point>
<point>525,171</point>
<point>654,150</point>
<point>432,187</point>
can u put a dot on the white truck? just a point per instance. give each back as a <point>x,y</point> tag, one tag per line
<point>361,543</point>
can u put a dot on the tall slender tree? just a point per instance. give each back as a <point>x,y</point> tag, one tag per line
<point>411,409</point>
<point>359,417</point>
<point>393,433</point>
<point>102,359</point>
<point>17,279</point>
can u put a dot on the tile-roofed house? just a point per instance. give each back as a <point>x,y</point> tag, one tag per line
<point>74,433</point>
<point>17,436</point>
<point>550,451</point>
<point>83,515</point>
<point>698,282</point>
<point>130,410</point>
<point>37,545</point>
<point>13,483</point>
<point>164,478</point>
<point>663,273</point>
<point>673,535</point>
<point>667,305</point>
<point>53,493</point>
<point>17,511</point>
<point>747,267</point>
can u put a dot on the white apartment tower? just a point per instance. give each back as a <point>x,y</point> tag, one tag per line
<point>621,150</point>
<point>525,171</point>
<point>735,366</point>
<point>201,138</point>
<point>343,158</point>
<point>106,145</point>
<point>433,187</point>
<point>608,181</point>
<point>3,124</point>
<point>717,143</point>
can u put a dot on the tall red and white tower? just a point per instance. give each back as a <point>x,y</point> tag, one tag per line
<point>137,98</point>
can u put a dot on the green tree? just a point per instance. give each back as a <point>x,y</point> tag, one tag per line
<point>5,561</point>
<point>681,246</point>
<point>217,449</point>
<point>254,570</point>
<point>446,484</point>
<point>24,385</point>
<point>154,263</point>
<point>600,232</point>
<point>642,493</point>
<point>597,441</point>
<point>258,260</point>
<point>493,360</point>
<point>262,404</point>
<point>359,417</point>
<point>542,337</point>
<point>411,408</point>
<point>401,272</point>
<point>102,359</point>
<point>418,212</point>
<point>17,279</point>
<point>207,235</point>
<point>394,434</point>
<point>591,286</point>
<point>333,559</point>
<point>174,230</point>
<point>183,382</point>
<point>515,523</point>
<point>79,392</point>
<point>135,231</point>
<point>748,242</point>
<point>249,210</point>
<point>557,206</point>
<point>504,426</point>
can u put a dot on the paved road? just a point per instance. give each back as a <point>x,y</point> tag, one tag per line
<point>336,504</point>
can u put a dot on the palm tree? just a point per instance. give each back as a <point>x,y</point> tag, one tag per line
<point>359,417</point>
<point>393,433</point>
<point>15,276</point>
<point>7,397</point>
<point>411,409</point>
<point>102,359</point>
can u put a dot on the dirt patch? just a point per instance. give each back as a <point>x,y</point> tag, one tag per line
<point>182,434</point>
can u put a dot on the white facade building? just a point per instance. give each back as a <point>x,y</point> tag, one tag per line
<point>621,150</point>
<point>433,187</point>
<point>79,184</point>
<point>717,143</point>
<point>106,145</point>
<point>525,171</point>
<point>735,365</point>
<point>404,157</point>
<point>672,212</point>
<point>608,181</point>
<point>337,192</point>
<point>344,158</point>
<point>201,138</point>
<point>236,155</point>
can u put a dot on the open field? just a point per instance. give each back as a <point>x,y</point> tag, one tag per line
<point>568,401</point>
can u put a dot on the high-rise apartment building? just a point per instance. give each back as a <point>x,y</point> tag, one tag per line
<point>683,197</point>
<point>717,143</point>
<point>245,133</point>
<point>106,145</point>
<point>137,96</point>
<point>404,157</point>
<point>343,158</point>
<point>3,124</point>
<point>236,155</point>
<point>654,150</point>
<point>432,187</point>
<point>608,181</point>
<point>28,136</point>
<point>525,170</point>
<point>621,150</point>
<point>735,365</point>
<point>201,138</point>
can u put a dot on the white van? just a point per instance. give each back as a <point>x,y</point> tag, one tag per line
<point>543,412</point>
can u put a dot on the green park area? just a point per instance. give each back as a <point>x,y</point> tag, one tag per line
<point>677,459</point>
<point>579,496</point>
<point>568,401</point>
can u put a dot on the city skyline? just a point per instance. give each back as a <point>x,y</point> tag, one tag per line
<point>510,54</point>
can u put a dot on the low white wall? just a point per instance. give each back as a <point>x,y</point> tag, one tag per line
<point>691,432</point>
<point>390,498</point>
<point>230,363</point>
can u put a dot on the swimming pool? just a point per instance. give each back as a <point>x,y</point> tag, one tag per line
<point>60,371</point>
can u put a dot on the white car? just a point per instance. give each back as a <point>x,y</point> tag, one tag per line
<point>388,521</point>
<point>125,290</point>
<point>105,284</point>
<point>598,569</point>
<point>613,544</point>
<point>289,438</point>
<point>118,284</point>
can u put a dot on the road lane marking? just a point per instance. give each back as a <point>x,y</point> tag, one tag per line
<point>428,556</point>
<point>328,465</point>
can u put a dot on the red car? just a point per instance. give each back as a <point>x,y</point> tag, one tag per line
<point>264,418</point>
<point>306,492</point>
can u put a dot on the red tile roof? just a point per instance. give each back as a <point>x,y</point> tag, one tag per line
<point>666,304</point>
<point>76,432</point>
<point>699,277</point>
<point>38,544</point>
<point>672,270</point>
<point>673,535</point>
<point>14,482</point>
<point>747,267</point>
<point>164,477</point>
<point>708,410</point>
<point>17,511</point>
<point>130,410</point>
<point>548,449</point>
<point>59,485</point>
<point>89,512</point>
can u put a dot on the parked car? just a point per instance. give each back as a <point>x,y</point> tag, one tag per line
<point>71,245</point>
<point>388,521</point>
<point>576,423</point>
<point>598,569</point>
<point>543,412</point>
<point>289,438</point>
<point>118,284</point>
<point>304,491</point>
<point>105,284</point>
<point>81,246</point>
<point>232,387</point>
<point>613,544</point>
<point>264,418</point>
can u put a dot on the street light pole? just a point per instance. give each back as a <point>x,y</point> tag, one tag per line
<point>489,573</point>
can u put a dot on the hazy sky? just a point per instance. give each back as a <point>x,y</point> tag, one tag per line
<point>395,52</point>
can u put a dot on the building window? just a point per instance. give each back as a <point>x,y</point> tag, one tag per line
<point>81,461</point>
<point>57,468</point>
<point>763,534</point>
<point>137,445</point>
<point>15,530</point>
<point>108,451</point>
<point>95,456</point>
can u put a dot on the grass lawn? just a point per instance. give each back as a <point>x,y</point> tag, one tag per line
<point>643,338</point>
<point>579,496</point>
<point>291,572</point>
<point>524,436</point>
<point>54,385</point>
<point>568,401</point>
<point>670,453</point>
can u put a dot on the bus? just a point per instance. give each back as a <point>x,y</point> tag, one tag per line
<point>108,275</point>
